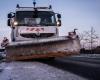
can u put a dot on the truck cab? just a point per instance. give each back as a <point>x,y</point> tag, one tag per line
<point>30,23</point>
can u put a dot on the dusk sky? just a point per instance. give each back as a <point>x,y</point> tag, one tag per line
<point>80,14</point>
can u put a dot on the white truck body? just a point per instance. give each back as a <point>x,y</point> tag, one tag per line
<point>35,35</point>
<point>30,29</point>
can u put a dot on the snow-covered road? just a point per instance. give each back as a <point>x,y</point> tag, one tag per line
<point>34,71</point>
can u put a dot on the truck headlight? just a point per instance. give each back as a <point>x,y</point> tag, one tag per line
<point>59,23</point>
<point>15,23</point>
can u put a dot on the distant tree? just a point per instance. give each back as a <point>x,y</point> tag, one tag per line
<point>82,37</point>
<point>89,37</point>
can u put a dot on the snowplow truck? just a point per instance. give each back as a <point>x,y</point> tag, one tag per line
<point>35,34</point>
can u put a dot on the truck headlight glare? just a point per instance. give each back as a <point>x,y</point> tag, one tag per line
<point>15,23</point>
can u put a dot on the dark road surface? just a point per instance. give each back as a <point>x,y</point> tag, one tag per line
<point>84,66</point>
<point>81,67</point>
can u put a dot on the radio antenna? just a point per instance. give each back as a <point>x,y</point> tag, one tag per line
<point>50,6</point>
<point>34,3</point>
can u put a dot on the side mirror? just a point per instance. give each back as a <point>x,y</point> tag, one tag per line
<point>59,23</point>
<point>8,22</point>
<point>9,15</point>
<point>59,16</point>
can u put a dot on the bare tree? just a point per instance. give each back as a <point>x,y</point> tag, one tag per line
<point>82,39</point>
<point>89,37</point>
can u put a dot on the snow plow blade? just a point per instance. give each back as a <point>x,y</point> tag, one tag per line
<point>43,48</point>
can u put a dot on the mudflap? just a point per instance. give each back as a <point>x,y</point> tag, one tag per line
<point>43,49</point>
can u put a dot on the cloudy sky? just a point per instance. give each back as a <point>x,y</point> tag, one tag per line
<point>80,14</point>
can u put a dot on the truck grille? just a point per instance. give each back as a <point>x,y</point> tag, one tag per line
<point>36,36</point>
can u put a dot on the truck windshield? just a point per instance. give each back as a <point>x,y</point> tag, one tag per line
<point>30,18</point>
